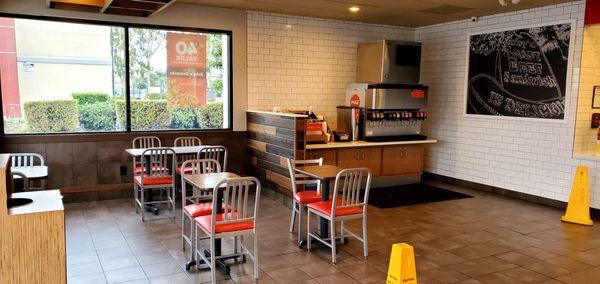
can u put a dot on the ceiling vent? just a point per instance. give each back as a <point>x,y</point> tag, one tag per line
<point>445,10</point>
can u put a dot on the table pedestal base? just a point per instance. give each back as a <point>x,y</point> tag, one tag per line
<point>220,262</point>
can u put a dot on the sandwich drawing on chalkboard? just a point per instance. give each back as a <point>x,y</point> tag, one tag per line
<point>519,73</point>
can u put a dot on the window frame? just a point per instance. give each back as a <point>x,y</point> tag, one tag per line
<point>126,27</point>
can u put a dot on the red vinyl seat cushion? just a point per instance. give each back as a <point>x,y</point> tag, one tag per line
<point>153,180</point>
<point>307,196</point>
<point>139,170</point>
<point>198,209</point>
<point>205,223</point>
<point>325,208</point>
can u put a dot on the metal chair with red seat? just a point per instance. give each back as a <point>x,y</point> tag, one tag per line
<point>302,197</point>
<point>199,203</point>
<point>346,205</point>
<point>187,141</point>
<point>237,220</point>
<point>143,142</point>
<point>160,161</point>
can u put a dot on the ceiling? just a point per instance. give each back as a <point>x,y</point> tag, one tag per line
<point>408,13</point>
<point>139,8</point>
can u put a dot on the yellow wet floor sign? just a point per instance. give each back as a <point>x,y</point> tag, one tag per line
<point>402,268</point>
<point>578,209</point>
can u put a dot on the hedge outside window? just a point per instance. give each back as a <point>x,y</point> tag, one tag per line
<point>63,77</point>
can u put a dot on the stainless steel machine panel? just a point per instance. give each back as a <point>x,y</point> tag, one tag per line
<point>396,99</point>
<point>388,61</point>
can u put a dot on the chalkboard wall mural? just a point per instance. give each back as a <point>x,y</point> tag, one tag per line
<point>519,73</point>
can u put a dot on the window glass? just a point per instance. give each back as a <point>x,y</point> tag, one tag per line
<point>60,77</point>
<point>177,80</point>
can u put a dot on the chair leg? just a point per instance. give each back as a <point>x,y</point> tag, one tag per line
<point>194,236</point>
<point>255,239</point>
<point>300,209</point>
<point>293,217</point>
<point>342,231</point>
<point>183,232</point>
<point>213,268</point>
<point>136,198</point>
<point>308,229</point>
<point>142,207</point>
<point>235,244</point>
<point>332,229</point>
<point>364,229</point>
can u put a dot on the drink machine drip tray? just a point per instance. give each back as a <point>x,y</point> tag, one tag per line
<point>396,138</point>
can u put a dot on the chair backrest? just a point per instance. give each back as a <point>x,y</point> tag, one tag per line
<point>26,160</point>
<point>296,179</point>
<point>146,142</point>
<point>203,166</point>
<point>187,141</point>
<point>236,193</point>
<point>218,153</point>
<point>159,161</point>
<point>347,190</point>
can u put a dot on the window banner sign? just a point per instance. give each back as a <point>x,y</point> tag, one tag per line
<point>186,69</point>
<point>521,73</point>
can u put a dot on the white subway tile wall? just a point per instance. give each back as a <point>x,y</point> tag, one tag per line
<point>529,157</point>
<point>295,62</point>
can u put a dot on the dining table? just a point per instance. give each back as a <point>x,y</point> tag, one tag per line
<point>207,182</point>
<point>139,152</point>
<point>324,173</point>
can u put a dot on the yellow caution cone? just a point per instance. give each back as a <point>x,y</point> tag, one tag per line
<point>402,268</point>
<point>578,209</point>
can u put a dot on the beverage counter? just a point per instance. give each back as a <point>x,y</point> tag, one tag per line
<point>273,137</point>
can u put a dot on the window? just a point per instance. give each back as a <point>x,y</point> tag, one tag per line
<point>64,77</point>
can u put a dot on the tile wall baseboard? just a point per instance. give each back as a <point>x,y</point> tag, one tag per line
<point>595,213</point>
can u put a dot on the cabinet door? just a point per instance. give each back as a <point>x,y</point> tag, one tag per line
<point>369,157</point>
<point>402,160</point>
<point>329,156</point>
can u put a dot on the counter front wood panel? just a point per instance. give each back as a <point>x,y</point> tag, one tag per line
<point>273,138</point>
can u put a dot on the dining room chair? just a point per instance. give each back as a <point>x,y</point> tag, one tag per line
<point>143,142</point>
<point>346,204</point>
<point>199,203</point>
<point>218,153</point>
<point>161,162</point>
<point>237,220</point>
<point>301,196</point>
<point>186,141</point>
<point>28,160</point>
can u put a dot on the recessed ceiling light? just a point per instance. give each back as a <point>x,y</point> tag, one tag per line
<point>289,27</point>
<point>354,9</point>
<point>502,2</point>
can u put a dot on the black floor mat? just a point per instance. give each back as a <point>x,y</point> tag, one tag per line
<point>410,194</point>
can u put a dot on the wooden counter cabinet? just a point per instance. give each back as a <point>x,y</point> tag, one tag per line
<point>402,160</point>
<point>369,157</point>
<point>32,241</point>
<point>388,160</point>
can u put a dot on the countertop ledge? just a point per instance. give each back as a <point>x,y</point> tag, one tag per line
<point>332,145</point>
<point>277,113</point>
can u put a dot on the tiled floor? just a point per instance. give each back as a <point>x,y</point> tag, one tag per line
<point>486,239</point>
